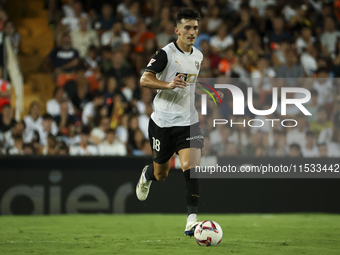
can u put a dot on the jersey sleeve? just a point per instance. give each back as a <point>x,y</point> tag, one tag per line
<point>158,62</point>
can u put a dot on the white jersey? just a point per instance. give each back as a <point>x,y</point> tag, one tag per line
<point>175,107</point>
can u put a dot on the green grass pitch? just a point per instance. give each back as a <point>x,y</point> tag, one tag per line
<point>164,234</point>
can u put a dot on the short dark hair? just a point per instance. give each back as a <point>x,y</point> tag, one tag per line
<point>188,14</point>
<point>47,116</point>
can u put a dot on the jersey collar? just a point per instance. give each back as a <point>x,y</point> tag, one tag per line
<point>192,49</point>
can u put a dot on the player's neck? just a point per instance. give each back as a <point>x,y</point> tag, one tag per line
<point>184,47</point>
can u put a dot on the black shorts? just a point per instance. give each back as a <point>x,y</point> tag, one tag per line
<point>166,141</point>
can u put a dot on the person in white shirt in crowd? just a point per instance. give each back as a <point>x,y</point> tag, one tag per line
<point>324,86</point>
<point>53,105</point>
<point>308,59</point>
<point>298,134</point>
<point>117,38</point>
<point>84,148</point>
<point>83,38</point>
<point>45,128</point>
<point>89,108</point>
<point>112,146</point>
<point>122,130</point>
<point>71,22</point>
<point>130,87</point>
<point>143,120</point>
<point>310,150</point>
<point>258,7</point>
<point>261,77</point>
<point>222,40</point>
<point>146,97</point>
<point>33,120</point>
<point>97,134</point>
<point>17,148</point>
<point>305,39</point>
<point>70,137</point>
<point>329,36</point>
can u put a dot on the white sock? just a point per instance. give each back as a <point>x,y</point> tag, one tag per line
<point>191,217</point>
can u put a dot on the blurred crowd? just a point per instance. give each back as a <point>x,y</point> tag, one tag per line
<point>102,48</point>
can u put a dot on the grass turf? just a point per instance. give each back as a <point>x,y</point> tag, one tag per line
<point>163,234</point>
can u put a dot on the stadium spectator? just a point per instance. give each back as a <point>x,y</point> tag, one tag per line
<point>261,76</point>
<point>258,7</point>
<point>72,21</point>
<point>323,150</point>
<point>329,36</point>
<point>64,116</point>
<point>111,146</point>
<point>144,119</point>
<point>305,39</point>
<point>70,137</point>
<point>84,148</point>
<point>310,149</point>
<point>28,149</point>
<point>165,36</point>
<point>279,33</point>
<point>308,60</point>
<point>207,149</point>
<point>92,62</point>
<point>98,134</point>
<point>89,109</point>
<point>118,69</point>
<point>63,58</point>
<point>50,147</point>
<point>294,150</point>
<point>213,19</point>
<point>298,134</point>
<point>230,150</point>
<point>221,40</point>
<point>72,85</point>
<point>17,148</point>
<point>130,17</point>
<point>242,22</point>
<point>83,38</point>
<point>324,86</point>
<point>14,36</point>
<point>53,105</point>
<point>46,128</point>
<point>291,70</point>
<point>278,148</point>
<point>122,129</point>
<point>117,38</point>
<point>62,149</point>
<point>136,142</point>
<point>140,36</point>
<point>106,18</point>
<point>322,122</point>
<point>250,149</point>
<point>6,118</point>
<point>130,90</point>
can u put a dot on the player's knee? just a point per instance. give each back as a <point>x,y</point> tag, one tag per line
<point>161,176</point>
<point>186,165</point>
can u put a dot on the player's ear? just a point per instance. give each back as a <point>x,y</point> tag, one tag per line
<point>176,30</point>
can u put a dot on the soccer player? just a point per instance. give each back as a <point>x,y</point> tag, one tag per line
<point>174,125</point>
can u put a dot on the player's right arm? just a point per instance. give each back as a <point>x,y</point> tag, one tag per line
<point>150,80</point>
<point>156,65</point>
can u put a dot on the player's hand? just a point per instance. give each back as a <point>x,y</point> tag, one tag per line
<point>177,82</point>
<point>221,94</point>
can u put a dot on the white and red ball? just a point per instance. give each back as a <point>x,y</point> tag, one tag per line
<point>208,233</point>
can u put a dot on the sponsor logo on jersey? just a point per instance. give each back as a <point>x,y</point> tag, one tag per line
<point>151,61</point>
<point>189,78</point>
<point>197,65</point>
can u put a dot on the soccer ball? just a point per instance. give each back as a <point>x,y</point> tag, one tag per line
<point>208,233</point>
